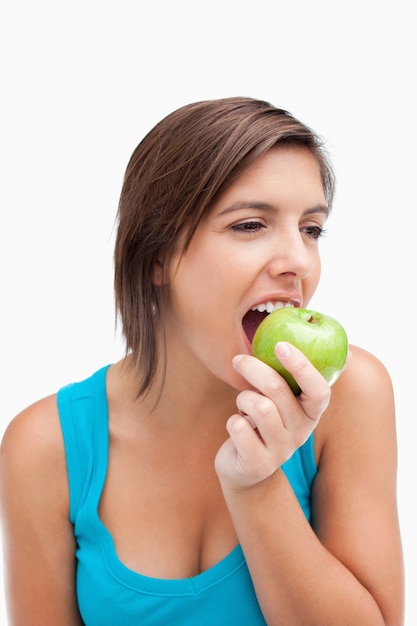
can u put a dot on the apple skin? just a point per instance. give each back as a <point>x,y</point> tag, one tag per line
<point>320,337</point>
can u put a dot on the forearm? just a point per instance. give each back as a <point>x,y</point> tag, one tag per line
<point>297,580</point>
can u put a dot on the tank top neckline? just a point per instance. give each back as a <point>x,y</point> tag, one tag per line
<point>175,586</point>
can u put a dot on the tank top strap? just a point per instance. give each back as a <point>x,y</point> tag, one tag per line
<point>301,470</point>
<point>83,414</point>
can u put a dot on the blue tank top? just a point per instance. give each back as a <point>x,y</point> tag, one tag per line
<point>108,592</point>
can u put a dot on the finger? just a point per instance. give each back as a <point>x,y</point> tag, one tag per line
<point>282,424</point>
<point>273,386</point>
<point>315,390</point>
<point>281,431</point>
<point>261,412</point>
<point>251,460</point>
<point>262,377</point>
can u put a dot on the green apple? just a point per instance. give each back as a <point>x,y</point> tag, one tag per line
<point>320,337</point>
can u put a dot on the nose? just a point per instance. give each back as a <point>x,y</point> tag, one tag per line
<point>291,254</point>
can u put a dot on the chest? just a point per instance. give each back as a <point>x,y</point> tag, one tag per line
<point>163,506</point>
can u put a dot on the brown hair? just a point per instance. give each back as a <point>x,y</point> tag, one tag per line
<point>173,178</point>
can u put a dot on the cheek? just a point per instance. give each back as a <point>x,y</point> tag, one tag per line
<point>206,277</point>
<point>311,282</point>
<point>192,295</point>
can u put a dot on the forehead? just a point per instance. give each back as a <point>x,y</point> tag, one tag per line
<point>284,173</point>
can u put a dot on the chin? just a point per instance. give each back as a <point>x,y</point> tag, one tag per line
<point>227,377</point>
<point>238,382</point>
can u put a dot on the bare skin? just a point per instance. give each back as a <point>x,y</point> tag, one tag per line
<point>199,471</point>
<point>352,568</point>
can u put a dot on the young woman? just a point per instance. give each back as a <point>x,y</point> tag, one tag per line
<point>186,484</point>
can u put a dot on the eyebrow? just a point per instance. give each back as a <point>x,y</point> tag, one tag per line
<point>264,206</point>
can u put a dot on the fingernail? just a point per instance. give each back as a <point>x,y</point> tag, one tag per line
<point>282,349</point>
<point>236,359</point>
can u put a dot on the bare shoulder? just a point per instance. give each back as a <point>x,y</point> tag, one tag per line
<point>32,449</point>
<point>362,402</point>
<point>365,373</point>
<point>38,536</point>
<point>35,429</point>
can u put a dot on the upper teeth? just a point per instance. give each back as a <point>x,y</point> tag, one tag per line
<point>270,306</point>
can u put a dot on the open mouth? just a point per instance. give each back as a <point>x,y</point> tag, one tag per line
<point>254,316</point>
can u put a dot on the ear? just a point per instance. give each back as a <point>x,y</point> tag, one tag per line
<point>158,274</point>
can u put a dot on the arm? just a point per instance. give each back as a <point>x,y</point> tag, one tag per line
<point>355,499</point>
<point>39,545</point>
<point>349,571</point>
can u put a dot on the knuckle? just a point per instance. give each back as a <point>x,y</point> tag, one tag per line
<point>278,386</point>
<point>244,401</point>
<point>262,468</point>
<point>264,407</point>
<point>300,367</point>
<point>323,394</point>
<point>325,399</point>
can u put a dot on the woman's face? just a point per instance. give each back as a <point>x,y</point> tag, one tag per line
<point>257,248</point>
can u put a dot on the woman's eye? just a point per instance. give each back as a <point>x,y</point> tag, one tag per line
<point>248,227</point>
<point>315,232</point>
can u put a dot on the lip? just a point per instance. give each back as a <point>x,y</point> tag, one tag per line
<point>294,298</point>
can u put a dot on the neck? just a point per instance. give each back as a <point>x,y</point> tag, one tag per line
<point>187,398</point>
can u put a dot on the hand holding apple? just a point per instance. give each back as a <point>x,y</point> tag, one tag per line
<point>320,337</point>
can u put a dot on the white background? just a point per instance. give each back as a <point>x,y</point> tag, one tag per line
<point>83,81</point>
